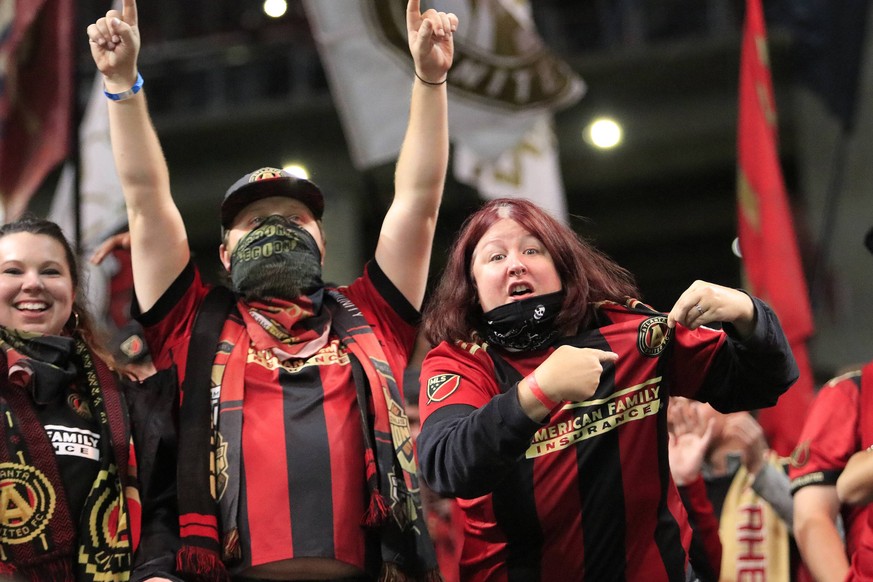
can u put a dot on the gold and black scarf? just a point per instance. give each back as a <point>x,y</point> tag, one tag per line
<point>39,538</point>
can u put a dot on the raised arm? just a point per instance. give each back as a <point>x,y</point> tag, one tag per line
<point>159,243</point>
<point>405,241</point>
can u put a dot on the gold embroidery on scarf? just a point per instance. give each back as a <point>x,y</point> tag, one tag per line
<point>108,530</point>
<point>27,503</point>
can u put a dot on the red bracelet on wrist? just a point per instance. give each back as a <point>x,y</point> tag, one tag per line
<point>539,394</point>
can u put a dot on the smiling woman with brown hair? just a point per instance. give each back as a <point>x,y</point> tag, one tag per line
<point>71,508</point>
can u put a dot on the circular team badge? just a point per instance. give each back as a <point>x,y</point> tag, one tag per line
<point>800,455</point>
<point>653,336</point>
<point>27,503</point>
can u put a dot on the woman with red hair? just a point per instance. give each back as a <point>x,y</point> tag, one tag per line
<point>544,400</point>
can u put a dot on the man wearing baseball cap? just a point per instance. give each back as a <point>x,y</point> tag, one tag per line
<point>296,462</point>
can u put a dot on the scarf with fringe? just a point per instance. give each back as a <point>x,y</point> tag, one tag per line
<point>394,509</point>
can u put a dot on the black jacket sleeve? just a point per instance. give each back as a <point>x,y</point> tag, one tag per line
<point>465,452</point>
<point>751,373</point>
<point>153,406</point>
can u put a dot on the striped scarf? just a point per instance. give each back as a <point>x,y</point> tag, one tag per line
<point>394,508</point>
<point>40,540</point>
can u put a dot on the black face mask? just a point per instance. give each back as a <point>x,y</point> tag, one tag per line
<point>525,325</point>
<point>277,260</point>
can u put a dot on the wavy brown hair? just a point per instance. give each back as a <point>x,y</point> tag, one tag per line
<point>80,322</point>
<point>587,275</point>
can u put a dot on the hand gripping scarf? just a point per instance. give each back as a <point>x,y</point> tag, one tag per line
<point>37,532</point>
<point>394,509</point>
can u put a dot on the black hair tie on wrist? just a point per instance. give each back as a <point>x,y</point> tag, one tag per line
<point>429,82</point>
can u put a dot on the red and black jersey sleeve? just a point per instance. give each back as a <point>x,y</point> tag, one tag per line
<point>169,322</point>
<point>461,399</point>
<point>393,319</point>
<point>830,434</point>
<point>745,373</point>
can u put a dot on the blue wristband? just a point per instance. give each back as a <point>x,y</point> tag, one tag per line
<point>126,94</point>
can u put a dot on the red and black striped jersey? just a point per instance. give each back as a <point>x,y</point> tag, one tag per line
<point>705,551</point>
<point>586,495</point>
<point>303,488</point>
<point>831,434</point>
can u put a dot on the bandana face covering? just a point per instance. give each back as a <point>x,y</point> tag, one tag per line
<point>525,325</point>
<point>277,260</point>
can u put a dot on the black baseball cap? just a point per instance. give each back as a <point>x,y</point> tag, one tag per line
<point>267,182</point>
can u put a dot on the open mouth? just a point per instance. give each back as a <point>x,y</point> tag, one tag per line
<point>519,290</point>
<point>32,306</point>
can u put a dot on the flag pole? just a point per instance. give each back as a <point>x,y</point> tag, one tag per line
<point>75,120</point>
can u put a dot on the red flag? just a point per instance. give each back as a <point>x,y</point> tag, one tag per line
<point>36,80</point>
<point>766,232</point>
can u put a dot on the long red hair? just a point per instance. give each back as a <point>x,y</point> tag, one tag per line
<point>587,275</point>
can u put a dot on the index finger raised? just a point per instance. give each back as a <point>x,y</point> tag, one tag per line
<point>128,12</point>
<point>413,11</point>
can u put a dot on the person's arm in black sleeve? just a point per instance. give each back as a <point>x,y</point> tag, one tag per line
<point>464,452</point>
<point>154,413</point>
<point>159,542</point>
<point>753,372</point>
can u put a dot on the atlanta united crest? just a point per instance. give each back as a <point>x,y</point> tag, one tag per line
<point>800,455</point>
<point>653,336</point>
<point>27,503</point>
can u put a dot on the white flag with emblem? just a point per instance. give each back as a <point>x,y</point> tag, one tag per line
<point>502,82</point>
